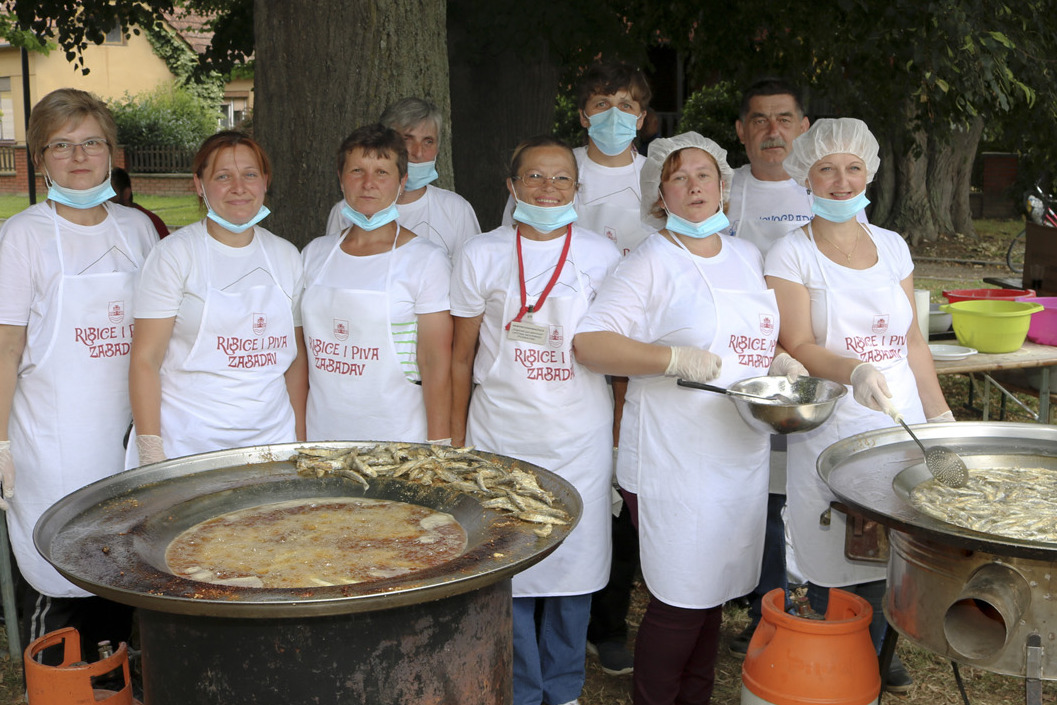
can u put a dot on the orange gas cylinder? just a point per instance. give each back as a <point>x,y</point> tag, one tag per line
<point>71,682</point>
<point>792,660</point>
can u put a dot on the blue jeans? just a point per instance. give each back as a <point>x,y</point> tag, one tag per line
<point>549,653</point>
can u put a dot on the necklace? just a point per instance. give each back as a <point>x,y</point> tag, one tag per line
<point>847,255</point>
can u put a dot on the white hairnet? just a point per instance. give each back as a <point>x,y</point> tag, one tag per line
<point>659,151</point>
<point>832,136</point>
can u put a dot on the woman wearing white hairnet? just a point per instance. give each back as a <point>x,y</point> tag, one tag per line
<point>846,294</point>
<point>687,303</point>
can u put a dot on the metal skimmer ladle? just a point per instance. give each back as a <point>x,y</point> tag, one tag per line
<point>944,464</point>
<point>777,396</point>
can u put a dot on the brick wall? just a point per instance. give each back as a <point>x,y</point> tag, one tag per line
<point>152,184</point>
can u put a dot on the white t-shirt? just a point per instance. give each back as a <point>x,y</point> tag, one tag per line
<point>486,273</point>
<point>30,269</point>
<point>607,201</point>
<point>176,278</point>
<point>442,216</point>
<point>419,274</point>
<point>764,211</point>
<point>657,295</point>
<point>796,258</point>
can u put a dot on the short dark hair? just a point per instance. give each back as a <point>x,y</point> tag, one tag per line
<point>770,85</point>
<point>119,179</point>
<point>608,77</point>
<point>376,140</point>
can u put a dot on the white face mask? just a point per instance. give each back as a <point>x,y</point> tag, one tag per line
<point>420,174</point>
<point>82,199</point>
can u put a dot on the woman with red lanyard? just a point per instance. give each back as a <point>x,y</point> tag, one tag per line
<point>375,310</point>
<point>846,293</point>
<point>687,303</point>
<point>218,360</point>
<point>517,295</point>
<point>67,267</point>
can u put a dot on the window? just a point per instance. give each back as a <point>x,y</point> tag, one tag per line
<point>7,110</point>
<point>115,35</point>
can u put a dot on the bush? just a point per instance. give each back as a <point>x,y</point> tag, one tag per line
<point>712,111</point>
<point>168,116</point>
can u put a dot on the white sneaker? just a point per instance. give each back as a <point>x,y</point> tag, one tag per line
<point>573,702</point>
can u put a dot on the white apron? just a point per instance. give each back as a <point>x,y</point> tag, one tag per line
<point>231,392</point>
<point>618,221</point>
<point>357,388</point>
<point>538,404</point>
<point>70,412</point>
<point>702,480</point>
<point>870,324</point>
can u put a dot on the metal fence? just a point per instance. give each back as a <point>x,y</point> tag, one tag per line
<point>158,160</point>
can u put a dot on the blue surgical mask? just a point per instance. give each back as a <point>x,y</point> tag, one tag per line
<point>708,226</point>
<point>612,131</point>
<point>370,222</point>
<point>82,199</point>
<point>543,218</point>
<point>262,213</point>
<point>839,211</point>
<point>420,174</point>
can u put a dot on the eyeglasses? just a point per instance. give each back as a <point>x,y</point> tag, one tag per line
<point>64,150</point>
<point>535,180</point>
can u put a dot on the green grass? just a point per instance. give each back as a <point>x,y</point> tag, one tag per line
<point>175,211</point>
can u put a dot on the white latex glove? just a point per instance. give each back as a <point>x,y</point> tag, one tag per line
<point>870,388</point>
<point>150,449</point>
<point>693,364</point>
<point>947,415</point>
<point>7,473</point>
<point>786,364</point>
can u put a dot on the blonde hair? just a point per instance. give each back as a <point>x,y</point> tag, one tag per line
<point>60,107</point>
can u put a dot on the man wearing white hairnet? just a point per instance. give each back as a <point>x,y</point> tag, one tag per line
<point>846,293</point>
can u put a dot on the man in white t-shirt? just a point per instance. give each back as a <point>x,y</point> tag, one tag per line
<point>613,98</point>
<point>765,204</point>
<point>443,216</point>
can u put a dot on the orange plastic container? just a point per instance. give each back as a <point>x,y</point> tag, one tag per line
<point>71,682</point>
<point>793,661</point>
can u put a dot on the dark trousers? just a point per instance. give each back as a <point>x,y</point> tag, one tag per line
<point>772,570</point>
<point>676,648</point>
<point>94,618</point>
<point>609,606</point>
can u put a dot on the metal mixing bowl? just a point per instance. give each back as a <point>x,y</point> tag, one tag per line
<point>816,398</point>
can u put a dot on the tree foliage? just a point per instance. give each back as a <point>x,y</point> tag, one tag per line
<point>168,116</point>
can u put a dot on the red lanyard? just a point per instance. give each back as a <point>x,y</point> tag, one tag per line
<point>525,308</point>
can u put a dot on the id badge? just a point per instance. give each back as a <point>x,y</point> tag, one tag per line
<point>526,331</point>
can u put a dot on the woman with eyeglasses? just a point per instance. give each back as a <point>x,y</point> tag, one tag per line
<point>218,360</point>
<point>517,295</point>
<point>66,274</point>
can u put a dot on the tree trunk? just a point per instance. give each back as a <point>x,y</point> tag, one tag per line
<point>961,211</point>
<point>497,101</point>
<point>911,215</point>
<point>324,71</point>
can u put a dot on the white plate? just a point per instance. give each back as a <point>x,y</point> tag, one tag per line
<point>950,352</point>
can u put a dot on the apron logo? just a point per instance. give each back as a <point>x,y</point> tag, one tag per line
<point>611,233</point>
<point>341,329</point>
<point>767,324</point>
<point>115,311</point>
<point>556,337</point>
<point>880,324</point>
<point>260,323</point>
